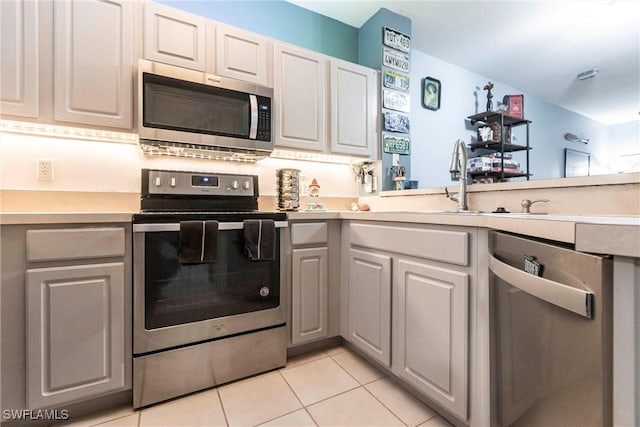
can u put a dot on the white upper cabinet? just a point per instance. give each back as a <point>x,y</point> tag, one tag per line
<point>93,62</point>
<point>243,55</point>
<point>300,92</point>
<point>19,78</point>
<point>354,101</point>
<point>174,37</point>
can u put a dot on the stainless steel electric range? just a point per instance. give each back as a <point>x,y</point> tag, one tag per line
<point>201,323</point>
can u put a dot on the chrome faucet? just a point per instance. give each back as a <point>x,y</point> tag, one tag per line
<point>526,204</point>
<point>458,169</point>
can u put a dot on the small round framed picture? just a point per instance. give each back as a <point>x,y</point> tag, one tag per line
<point>431,89</point>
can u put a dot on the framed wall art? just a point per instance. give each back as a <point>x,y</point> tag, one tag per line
<point>576,163</point>
<point>431,90</point>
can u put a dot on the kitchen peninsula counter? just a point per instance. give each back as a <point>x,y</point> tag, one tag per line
<point>612,235</point>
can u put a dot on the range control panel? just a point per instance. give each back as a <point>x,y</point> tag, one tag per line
<point>163,182</point>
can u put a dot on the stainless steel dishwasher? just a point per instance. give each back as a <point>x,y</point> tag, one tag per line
<point>551,334</point>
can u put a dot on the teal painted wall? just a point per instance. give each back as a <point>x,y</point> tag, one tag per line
<point>280,20</point>
<point>370,55</point>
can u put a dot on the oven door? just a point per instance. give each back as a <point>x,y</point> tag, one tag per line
<point>177,304</point>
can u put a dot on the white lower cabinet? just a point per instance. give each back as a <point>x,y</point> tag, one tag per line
<point>370,304</point>
<point>75,332</point>
<point>408,289</point>
<point>313,254</point>
<point>65,296</point>
<point>310,286</point>
<point>430,318</point>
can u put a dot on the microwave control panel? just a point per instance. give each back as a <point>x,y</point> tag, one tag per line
<point>264,119</point>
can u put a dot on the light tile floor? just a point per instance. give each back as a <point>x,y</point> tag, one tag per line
<point>332,387</point>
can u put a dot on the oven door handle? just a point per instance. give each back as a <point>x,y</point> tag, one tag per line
<point>150,228</point>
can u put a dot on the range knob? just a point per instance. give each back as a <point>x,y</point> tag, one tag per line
<point>158,181</point>
<point>234,184</point>
<point>173,181</point>
<point>246,185</point>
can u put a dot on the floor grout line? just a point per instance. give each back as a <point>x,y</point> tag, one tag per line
<point>224,412</point>
<point>305,363</point>
<point>311,416</point>
<point>291,388</point>
<point>327,398</point>
<point>367,363</point>
<point>386,407</point>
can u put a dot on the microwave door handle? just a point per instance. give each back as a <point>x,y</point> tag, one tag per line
<point>253,128</point>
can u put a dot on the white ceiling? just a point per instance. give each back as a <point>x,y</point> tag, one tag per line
<point>535,46</point>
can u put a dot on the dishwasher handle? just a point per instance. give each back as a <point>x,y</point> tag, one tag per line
<point>576,300</point>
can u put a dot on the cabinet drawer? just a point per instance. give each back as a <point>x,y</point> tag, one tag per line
<point>309,233</point>
<point>75,243</point>
<point>435,244</point>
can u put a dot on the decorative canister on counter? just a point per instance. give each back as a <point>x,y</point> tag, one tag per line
<point>288,186</point>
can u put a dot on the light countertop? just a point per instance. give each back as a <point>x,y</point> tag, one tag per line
<point>63,217</point>
<point>612,235</point>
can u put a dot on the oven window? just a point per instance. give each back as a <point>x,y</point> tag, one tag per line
<point>178,293</point>
<point>191,107</point>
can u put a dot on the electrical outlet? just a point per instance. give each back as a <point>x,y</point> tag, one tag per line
<point>44,169</point>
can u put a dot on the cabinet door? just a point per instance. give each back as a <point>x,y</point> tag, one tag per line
<point>75,333</point>
<point>93,65</point>
<point>242,55</point>
<point>431,332</point>
<point>299,90</point>
<point>309,289</point>
<point>370,304</point>
<point>354,106</point>
<point>174,37</point>
<point>19,77</point>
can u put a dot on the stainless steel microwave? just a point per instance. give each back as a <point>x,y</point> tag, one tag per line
<point>199,110</point>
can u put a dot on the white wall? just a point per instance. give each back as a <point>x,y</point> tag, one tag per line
<point>433,133</point>
<point>622,154</point>
<point>115,167</point>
